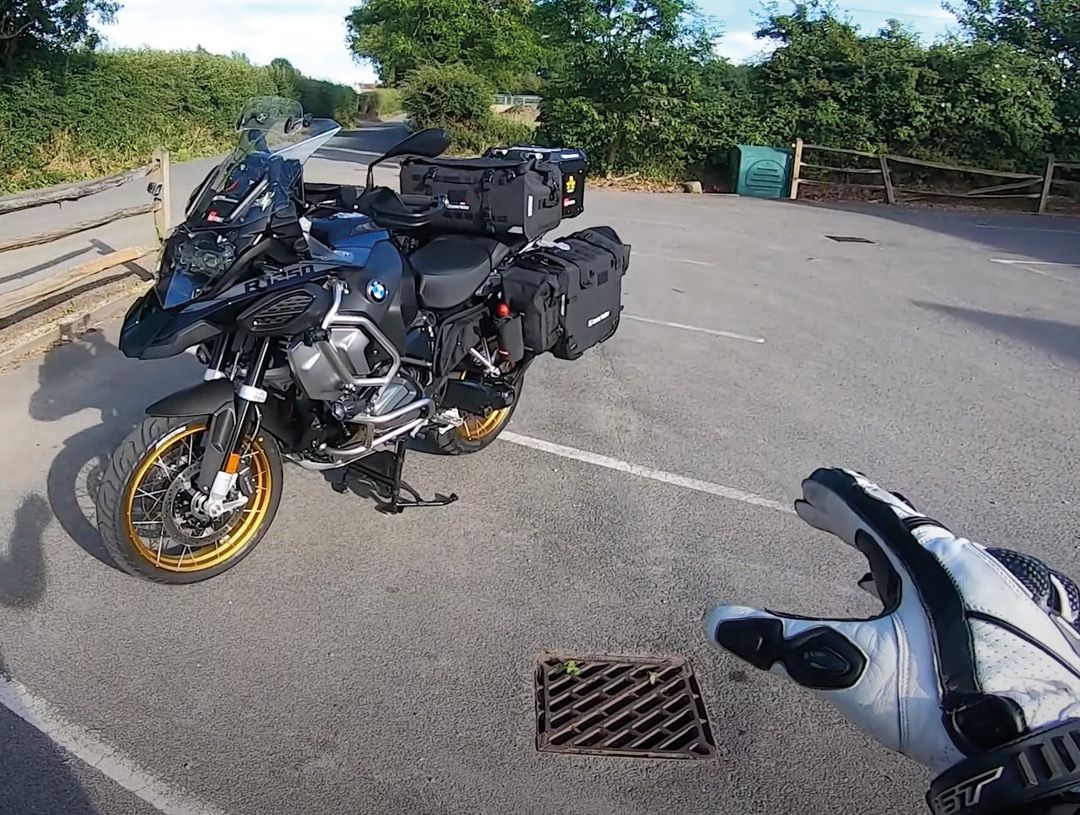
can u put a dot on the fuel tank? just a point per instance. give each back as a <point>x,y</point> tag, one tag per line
<point>383,290</point>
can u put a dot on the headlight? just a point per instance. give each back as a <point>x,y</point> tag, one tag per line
<point>205,253</point>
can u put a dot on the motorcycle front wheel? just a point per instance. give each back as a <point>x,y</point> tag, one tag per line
<point>145,511</point>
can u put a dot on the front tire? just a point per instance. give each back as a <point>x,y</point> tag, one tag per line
<point>145,521</point>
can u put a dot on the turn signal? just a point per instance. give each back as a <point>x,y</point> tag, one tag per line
<point>502,311</point>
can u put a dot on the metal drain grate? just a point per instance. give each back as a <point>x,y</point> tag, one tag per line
<point>620,706</point>
<point>848,239</point>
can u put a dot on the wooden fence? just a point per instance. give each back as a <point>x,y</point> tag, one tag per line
<point>880,176</point>
<point>32,298</point>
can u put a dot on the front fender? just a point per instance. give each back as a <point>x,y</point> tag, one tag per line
<point>204,399</point>
<point>207,398</point>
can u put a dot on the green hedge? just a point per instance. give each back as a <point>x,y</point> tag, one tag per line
<point>442,95</point>
<point>456,98</point>
<point>90,114</point>
<point>329,100</point>
<point>381,102</point>
<point>495,132</point>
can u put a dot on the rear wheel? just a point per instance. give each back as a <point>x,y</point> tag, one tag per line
<point>148,520</point>
<point>478,432</point>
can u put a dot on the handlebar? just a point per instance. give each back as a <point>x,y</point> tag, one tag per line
<point>381,204</point>
<point>394,211</point>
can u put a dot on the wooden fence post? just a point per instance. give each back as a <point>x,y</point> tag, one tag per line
<point>163,193</point>
<point>1048,179</point>
<point>890,193</point>
<point>796,169</point>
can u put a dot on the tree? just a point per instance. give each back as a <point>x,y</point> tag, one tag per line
<point>495,38</point>
<point>637,84</point>
<point>1046,30</point>
<point>827,83</point>
<point>286,78</point>
<point>993,105</point>
<point>987,103</point>
<point>29,26</point>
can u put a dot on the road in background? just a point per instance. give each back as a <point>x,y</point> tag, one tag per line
<point>359,663</point>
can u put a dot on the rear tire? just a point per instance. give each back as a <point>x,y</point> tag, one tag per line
<point>479,432</point>
<point>142,475</point>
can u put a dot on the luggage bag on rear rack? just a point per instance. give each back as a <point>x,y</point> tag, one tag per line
<point>569,293</point>
<point>574,165</point>
<point>489,196</point>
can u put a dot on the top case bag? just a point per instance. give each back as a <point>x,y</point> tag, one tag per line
<point>489,196</point>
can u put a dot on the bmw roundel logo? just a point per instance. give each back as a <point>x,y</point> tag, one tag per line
<point>376,291</point>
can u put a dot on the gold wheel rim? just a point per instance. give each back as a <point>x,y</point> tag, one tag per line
<point>477,428</point>
<point>235,541</point>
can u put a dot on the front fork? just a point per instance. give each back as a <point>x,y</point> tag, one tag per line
<point>222,454</point>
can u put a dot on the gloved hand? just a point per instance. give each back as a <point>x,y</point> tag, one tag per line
<point>975,649</point>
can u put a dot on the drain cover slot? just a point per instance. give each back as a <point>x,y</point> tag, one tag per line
<point>848,239</point>
<point>620,706</point>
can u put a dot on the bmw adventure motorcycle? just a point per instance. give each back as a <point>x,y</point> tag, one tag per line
<point>337,325</point>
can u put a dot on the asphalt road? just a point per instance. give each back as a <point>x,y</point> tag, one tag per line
<point>358,663</point>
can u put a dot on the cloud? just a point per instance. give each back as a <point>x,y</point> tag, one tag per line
<point>743,46</point>
<point>310,34</point>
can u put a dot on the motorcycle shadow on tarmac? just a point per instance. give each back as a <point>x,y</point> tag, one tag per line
<point>91,374</point>
<point>36,774</point>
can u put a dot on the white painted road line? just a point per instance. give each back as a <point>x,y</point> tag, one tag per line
<point>1029,266</point>
<point>710,331</point>
<point>1029,229</point>
<point>103,757</point>
<point>673,260</point>
<point>1013,262</point>
<point>650,222</point>
<point>641,471</point>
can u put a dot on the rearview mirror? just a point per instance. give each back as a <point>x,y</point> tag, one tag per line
<point>428,143</point>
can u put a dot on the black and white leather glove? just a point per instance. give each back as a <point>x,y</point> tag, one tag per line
<point>972,668</point>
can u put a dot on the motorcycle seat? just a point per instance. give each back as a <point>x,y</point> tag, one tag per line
<point>451,268</point>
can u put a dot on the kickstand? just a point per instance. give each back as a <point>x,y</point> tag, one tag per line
<point>387,484</point>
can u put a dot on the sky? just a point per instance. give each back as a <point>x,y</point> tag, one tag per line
<point>311,33</point>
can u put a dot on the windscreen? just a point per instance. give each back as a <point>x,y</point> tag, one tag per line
<point>229,212</point>
<point>241,186</point>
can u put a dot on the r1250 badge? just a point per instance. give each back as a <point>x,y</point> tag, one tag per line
<point>273,278</point>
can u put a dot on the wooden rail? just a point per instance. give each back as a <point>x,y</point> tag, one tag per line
<point>1017,185</point>
<point>69,192</point>
<point>75,229</point>
<point>40,294</point>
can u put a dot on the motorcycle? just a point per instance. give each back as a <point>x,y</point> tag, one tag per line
<point>338,325</point>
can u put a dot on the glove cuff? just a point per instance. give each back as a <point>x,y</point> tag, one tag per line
<point>1039,768</point>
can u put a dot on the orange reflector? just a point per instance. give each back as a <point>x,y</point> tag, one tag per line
<point>232,466</point>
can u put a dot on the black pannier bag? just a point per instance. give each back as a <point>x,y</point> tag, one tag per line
<point>569,293</point>
<point>573,163</point>
<point>489,196</point>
